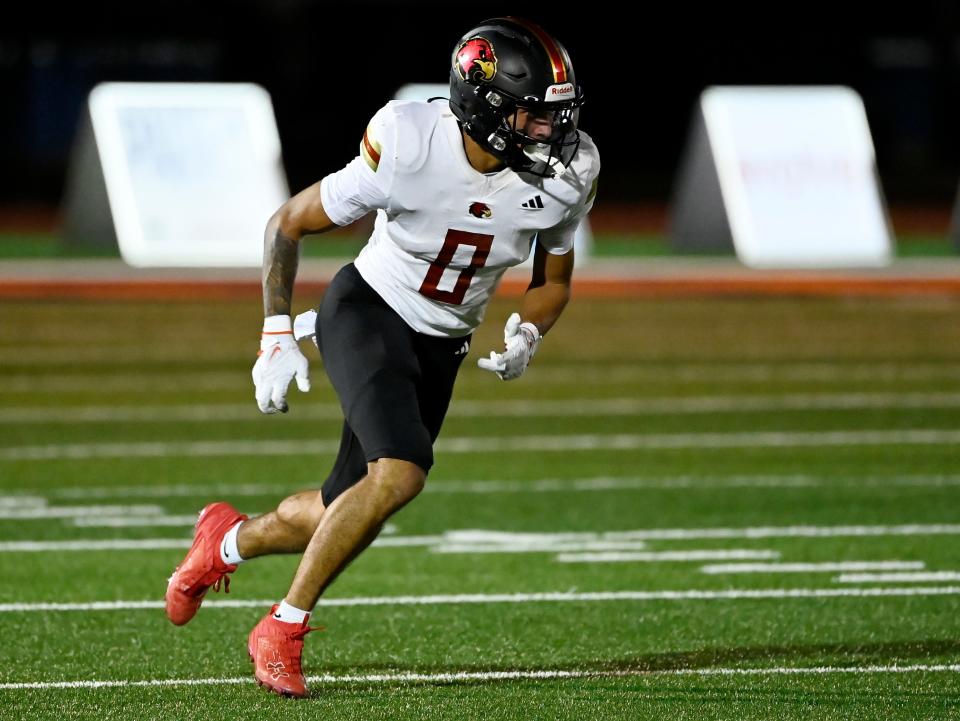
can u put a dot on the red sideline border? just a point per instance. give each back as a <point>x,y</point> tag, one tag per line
<point>768,284</point>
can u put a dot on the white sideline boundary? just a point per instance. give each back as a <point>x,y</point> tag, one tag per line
<point>494,444</point>
<point>548,597</point>
<point>467,676</point>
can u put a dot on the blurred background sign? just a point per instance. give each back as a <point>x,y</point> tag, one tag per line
<point>177,174</point>
<point>786,175</point>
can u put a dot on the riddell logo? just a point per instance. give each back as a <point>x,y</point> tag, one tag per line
<point>480,210</point>
<point>559,92</point>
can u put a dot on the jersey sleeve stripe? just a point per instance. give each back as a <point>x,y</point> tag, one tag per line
<point>593,190</point>
<point>370,151</point>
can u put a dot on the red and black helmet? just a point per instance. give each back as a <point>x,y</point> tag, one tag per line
<point>507,63</point>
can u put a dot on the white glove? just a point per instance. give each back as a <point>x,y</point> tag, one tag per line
<point>279,362</point>
<point>305,326</point>
<point>521,341</point>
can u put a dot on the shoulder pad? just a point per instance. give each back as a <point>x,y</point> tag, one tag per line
<point>588,157</point>
<point>415,123</point>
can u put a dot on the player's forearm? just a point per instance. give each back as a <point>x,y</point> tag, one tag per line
<point>543,304</point>
<point>281,256</point>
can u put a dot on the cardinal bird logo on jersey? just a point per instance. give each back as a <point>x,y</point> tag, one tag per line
<point>480,210</point>
<point>476,60</point>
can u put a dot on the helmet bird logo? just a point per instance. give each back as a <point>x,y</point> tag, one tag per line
<point>476,60</point>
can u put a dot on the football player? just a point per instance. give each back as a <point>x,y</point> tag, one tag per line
<point>463,190</point>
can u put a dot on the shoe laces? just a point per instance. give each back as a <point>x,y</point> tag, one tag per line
<point>301,632</point>
<point>291,654</point>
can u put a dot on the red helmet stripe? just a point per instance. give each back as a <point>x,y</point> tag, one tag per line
<point>550,45</point>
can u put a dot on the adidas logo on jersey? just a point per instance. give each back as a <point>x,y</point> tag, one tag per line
<point>535,203</point>
<point>464,348</point>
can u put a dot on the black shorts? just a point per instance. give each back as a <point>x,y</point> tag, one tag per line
<point>394,384</point>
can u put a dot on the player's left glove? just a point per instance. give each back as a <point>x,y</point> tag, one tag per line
<point>278,362</point>
<point>521,341</point>
<point>305,326</point>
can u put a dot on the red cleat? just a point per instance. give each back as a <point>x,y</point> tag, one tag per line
<point>275,647</point>
<point>203,566</point>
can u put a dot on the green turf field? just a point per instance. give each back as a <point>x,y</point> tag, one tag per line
<point>687,509</point>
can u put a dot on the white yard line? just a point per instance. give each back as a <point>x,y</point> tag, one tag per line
<point>483,409</point>
<point>46,512</point>
<point>112,354</point>
<point>172,491</point>
<point>7,502</point>
<point>135,521</point>
<point>779,370</point>
<point>164,449</point>
<point>516,538</point>
<point>495,444</point>
<point>684,534</point>
<point>506,539</point>
<point>406,541</point>
<point>918,577</point>
<point>549,597</point>
<point>667,556</point>
<point>508,675</point>
<point>680,441</point>
<point>608,483</point>
<point>541,547</point>
<point>540,485</point>
<point>156,544</point>
<point>640,371</point>
<point>146,544</point>
<point>814,670</point>
<point>831,567</point>
<point>158,414</point>
<point>157,522</point>
<point>135,380</point>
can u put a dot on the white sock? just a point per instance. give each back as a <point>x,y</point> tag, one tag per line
<point>290,614</point>
<point>229,553</point>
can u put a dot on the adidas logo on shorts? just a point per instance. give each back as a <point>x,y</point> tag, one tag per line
<point>463,349</point>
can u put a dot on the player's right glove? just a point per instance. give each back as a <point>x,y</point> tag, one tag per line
<point>279,362</point>
<point>521,341</point>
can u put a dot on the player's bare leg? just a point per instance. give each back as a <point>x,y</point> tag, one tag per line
<point>351,523</point>
<point>288,529</point>
<point>345,529</point>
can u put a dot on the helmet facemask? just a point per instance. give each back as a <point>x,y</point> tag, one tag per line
<point>548,155</point>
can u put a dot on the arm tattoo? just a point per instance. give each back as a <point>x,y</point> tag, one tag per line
<point>281,255</point>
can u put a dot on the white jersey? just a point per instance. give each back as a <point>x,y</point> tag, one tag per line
<point>445,233</point>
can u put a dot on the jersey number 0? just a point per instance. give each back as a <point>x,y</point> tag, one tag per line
<point>453,240</point>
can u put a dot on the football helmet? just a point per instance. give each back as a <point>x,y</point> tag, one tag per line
<point>506,64</point>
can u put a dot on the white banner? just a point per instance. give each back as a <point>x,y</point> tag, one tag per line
<point>798,176</point>
<point>193,170</point>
